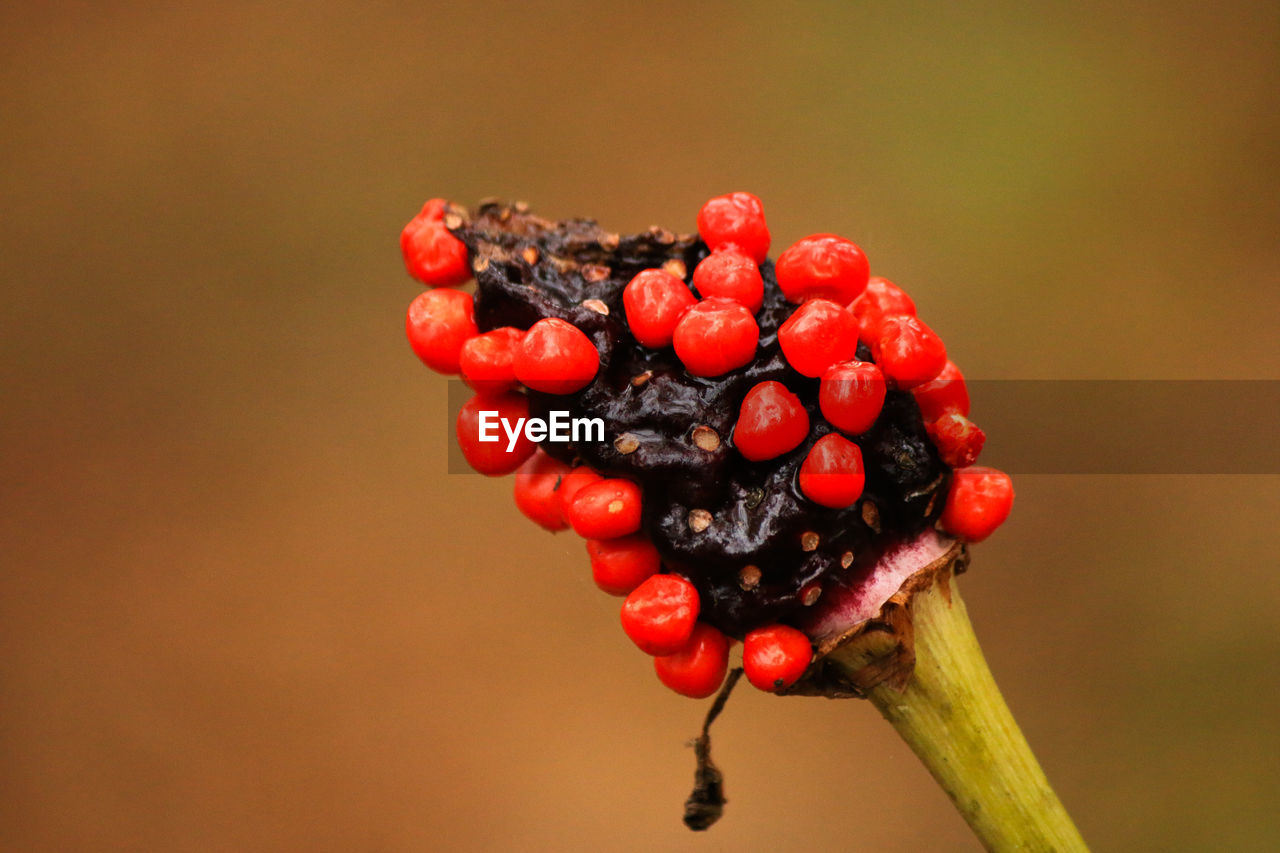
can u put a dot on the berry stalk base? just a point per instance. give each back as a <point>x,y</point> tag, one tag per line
<point>953,717</point>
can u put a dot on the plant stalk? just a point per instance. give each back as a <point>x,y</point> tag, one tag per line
<point>953,717</point>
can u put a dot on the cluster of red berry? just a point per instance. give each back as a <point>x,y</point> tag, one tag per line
<point>710,322</point>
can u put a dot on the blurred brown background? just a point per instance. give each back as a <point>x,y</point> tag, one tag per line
<point>245,608</point>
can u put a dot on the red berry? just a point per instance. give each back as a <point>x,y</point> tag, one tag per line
<point>978,502</point>
<point>572,483</point>
<point>715,336</point>
<point>483,416</point>
<point>737,219</point>
<point>771,421</point>
<point>556,357</point>
<point>822,265</point>
<point>881,299</point>
<point>439,322</point>
<point>851,395</point>
<point>659,615</point>
<point>817,335</point>
<point>958,439</point>
<point>487,361</point>
<point>698,669</point>
<point>731,274</point>
<point>909,352</point>
<point>832,475</point>
<point>775,657</point>
<point>654,301</point>
<point>947,393</point>
<point>620,565</point>
<point>537,482</point>
<point>607,509</point>
<point>431,253</point>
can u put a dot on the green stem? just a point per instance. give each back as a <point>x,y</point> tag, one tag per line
<point>953,717</point>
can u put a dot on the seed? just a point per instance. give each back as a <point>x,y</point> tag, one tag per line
<point>597,306</point>
<point>530,255</point>
<point>749,577</point>
<point>662,235</point>
<point>846,559</point>
<point>809,541</point>
<point>871,516</point>
<point>522,207</point>
<point>706,438</point>
<point>595,272</point>
<point>480,264</point>
<point>676,267</point>
<point>452,221</point>
<point>810,594</point>
<point>699,520</point>
<point>641,379</point>
<point>626,443</point>
<point>610,241</point>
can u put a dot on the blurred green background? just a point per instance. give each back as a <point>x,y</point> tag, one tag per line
<point>242,605</point>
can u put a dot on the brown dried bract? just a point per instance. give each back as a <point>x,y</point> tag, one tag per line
<point>880,650</point>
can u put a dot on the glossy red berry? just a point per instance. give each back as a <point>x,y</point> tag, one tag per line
<point>945,394</point>
<point>851,396</point>
<point>832,474</point>
<point>606,509</point>
<point>730,274</point>
<point>439,322</point>
<point>575,480</point>
<point>483,438</point>
<point>881,299</point>
<point>654,301</point>
<point>774,657</point>
<point>978,502</point>
<point>620,565</point>
<point>431,254</point>
<point>737,219</point>
<point>822,265</point>
<point>958,439</point>
<point>659,615</point>
<point>698,669</point>
<point>537,483</point>
<point>909,352</point>
<point>817,335</point>
<point>556,357</point>
<point>487,361</point>
<point>771,422</point>
<point>715,336</point>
